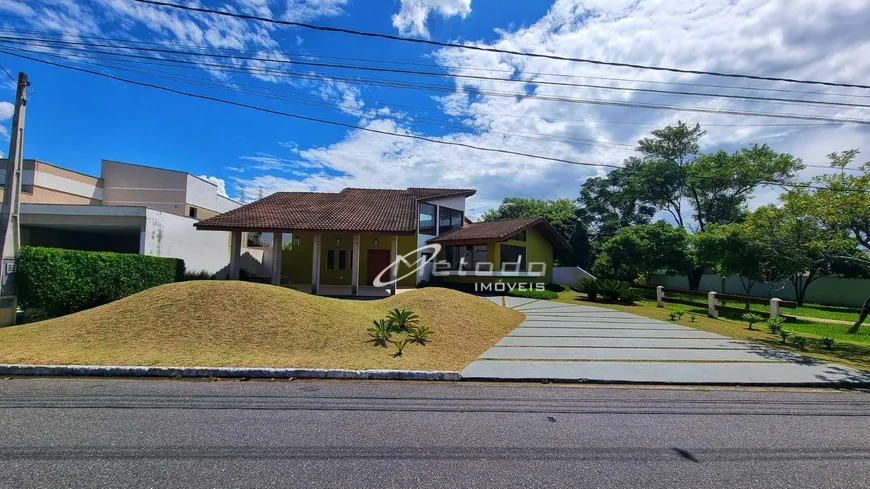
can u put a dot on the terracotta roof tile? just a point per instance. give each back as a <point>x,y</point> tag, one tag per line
<point>500,230</point>
<point>352,209</point>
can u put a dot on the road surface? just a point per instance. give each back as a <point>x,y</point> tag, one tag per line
<point>160,433</point>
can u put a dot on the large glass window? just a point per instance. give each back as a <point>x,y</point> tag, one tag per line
<point>510,256</point>
<point>427,219</point>
<point>449,219</point>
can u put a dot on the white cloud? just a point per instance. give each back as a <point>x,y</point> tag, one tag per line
<point>6,110</point>
<point>221,184</point>
<point>301,10</point>
<point>412,16</point>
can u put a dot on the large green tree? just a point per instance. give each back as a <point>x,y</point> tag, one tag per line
<point>561,213</point>
<point>640,251</point>
<point>609,203</point>
<point>738,249</point>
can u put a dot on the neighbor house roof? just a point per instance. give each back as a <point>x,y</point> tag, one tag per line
<point>501,230</point>
<point>352,209</point>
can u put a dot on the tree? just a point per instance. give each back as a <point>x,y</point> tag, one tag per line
<point>561,213</point>
<point>608,204</point>
<point>640,251</point>
<point>738,249</point>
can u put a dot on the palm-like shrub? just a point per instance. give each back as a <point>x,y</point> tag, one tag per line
<point>799,341</point>
<point>784,335</point>
<point>751,319</point>
<point>400,346</point>
<point>402,319</point>
<point>420,335</point>
<point>381,333</point>
<point>774,325</point>
<point>588,286</point>
<point>610,290</point>
<point>828,342</point>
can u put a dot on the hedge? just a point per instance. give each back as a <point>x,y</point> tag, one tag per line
<point>62,281</point>
<point>533,294</point>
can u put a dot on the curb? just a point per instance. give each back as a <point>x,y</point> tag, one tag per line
<point>223,372</point>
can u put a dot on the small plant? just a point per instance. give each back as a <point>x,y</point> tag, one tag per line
<point>828,342</point>
<point>672,316</point>
<point>693,318</point>
<point>774,325</point>
<point>420,335</point>
<point>799,341</point>
<point>400,346</point>
<point>589,287</point>
<point>784,335</point>
<point>381,333</point>
<point>751,319</point>
<point>402,319</point>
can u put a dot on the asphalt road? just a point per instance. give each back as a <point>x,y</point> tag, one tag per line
<point>124,433</point>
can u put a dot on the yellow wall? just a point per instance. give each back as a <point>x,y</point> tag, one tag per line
<point>538,249</point>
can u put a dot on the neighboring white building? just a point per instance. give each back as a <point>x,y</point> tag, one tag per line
<point>128,209</point>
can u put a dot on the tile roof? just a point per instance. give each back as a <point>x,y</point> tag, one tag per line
<point>500,230</point>
<point>352,209</point>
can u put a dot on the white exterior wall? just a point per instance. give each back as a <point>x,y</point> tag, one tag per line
<point>56,182</point>
<point>168,235</point>
<point>203,194</point>
<point>129,184</point>
<point>569,275</point>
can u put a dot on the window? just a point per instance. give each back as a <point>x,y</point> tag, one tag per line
<point>449,219</point>
<point>510,256</point>
<point>191,212</point>
<point>427,219</point>
<point>520,236</point>
<point>479,254</point>
<point>342,259</point>
<point>330,259</point>
<point>450,256</point>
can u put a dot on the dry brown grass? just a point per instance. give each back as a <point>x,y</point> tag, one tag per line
<point>218,323</point>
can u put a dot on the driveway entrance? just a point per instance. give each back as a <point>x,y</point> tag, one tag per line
<point>576,342</point>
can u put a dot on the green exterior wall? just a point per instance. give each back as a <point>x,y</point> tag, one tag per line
<point>296,263</point>
<point>538,249</point>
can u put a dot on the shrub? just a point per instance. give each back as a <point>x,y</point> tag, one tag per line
<point>828,342</point>
<point>381,333</point>
<point>783,334</point>
<point>751,319</point>
<point>610,290</point>
<point>555,287</point>
<point>197,275</point>
<point>774,325</point>
<point>588,286</point>
<point>533,294</point>
<point>65,281</point>
<point>630,296</point>
<point>693,317</point>
<point>420,335</point>
<point>400,346</point>
<point>799,341</point>
<point>402,319</point>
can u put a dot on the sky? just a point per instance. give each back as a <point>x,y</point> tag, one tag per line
<point>74,119</point>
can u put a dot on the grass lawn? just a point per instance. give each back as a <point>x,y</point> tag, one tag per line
<point>840,313</point>
<point>224,323</point>
<point>850,350</point>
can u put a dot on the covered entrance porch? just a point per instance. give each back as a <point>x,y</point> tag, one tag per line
<point>334,264</point>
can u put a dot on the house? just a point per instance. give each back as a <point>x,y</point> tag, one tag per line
<point>127,209</point>
<point>342,243</point>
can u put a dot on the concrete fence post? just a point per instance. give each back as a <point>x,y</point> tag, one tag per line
<point>775,307</point>
<point>711,305</point>
<point>660,296</point>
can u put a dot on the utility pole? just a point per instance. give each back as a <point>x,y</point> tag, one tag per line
<point>10,231</point>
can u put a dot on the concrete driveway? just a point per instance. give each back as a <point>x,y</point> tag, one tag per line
<point>563,341</point>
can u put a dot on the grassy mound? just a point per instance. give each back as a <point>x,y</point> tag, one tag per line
<point>219,323</point>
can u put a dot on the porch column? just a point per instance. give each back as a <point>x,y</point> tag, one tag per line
<point>277,246</point>
<point>394,269</point>
<point>235,254</point>
<point>354,266</point>
<point>315,265</point>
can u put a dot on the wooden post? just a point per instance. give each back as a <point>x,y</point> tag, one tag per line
<point>711,305</point>
<point>315,265</point>
<point>354,266</point>
<point>660,296</point>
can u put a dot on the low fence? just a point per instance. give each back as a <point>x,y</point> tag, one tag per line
<point>717,302</point>
<point>834,291</point>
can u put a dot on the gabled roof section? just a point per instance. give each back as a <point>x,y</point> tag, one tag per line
<point>351,210</point>
<point>501,230</point>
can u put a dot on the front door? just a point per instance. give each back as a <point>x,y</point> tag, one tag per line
<point>377,261</point>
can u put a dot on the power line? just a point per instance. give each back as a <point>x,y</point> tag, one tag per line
<point>494,50</point>
<point>495,93</point>
<point>7,74</point>
<point>435,74</point>
<point>367,129</point>
<point>433,65</point>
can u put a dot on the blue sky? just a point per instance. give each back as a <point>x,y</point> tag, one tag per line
<point>75,119</point>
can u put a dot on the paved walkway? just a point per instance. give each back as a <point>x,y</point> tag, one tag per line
<point>576,342</point>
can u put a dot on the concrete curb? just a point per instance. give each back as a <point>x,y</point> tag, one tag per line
<point>222,372</point>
